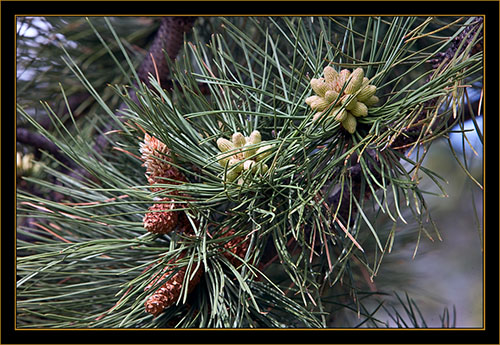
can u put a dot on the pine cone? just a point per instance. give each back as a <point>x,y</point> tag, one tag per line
<point>356,97</point>
<point>170,291</point>
<point>161,219</point>
<point>156,157</point>
<point>235,154</point>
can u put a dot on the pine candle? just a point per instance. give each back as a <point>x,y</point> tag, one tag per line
<point>344,95</point>
<point>241,154</point>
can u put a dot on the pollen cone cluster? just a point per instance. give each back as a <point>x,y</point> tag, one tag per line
<point>171,290</point>
<point>343,95</point>
<point>241,154</point>
<point>25,164</point>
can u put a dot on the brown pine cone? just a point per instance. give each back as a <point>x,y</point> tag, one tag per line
<point>170,291</point>
<point>156,157</point>
<point>151,149</point>
<point>166,271</point>
<point>161,219</point>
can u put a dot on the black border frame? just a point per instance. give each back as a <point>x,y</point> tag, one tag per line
<point>489,9</point>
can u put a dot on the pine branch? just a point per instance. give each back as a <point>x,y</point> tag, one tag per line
<point>169,38</point>
<point>275,245</point>
<point>471,35</point>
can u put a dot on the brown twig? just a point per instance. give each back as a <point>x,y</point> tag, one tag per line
<point>37,140</point>
<point>169,39</point>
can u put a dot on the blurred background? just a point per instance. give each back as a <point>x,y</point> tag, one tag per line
<point>449,273</point>
<point>452,269</point>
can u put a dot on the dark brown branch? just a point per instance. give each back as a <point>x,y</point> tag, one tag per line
<point>169,39</point>
<point>457,46</point>
<point>37,140</point>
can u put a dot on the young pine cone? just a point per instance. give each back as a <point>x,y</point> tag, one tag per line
<point>161,218</point>
<point>343,95</point>
<point>170,291</point>
<point>240,154</point>
<point>156,157</point>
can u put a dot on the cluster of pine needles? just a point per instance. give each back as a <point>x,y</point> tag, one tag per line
<point>294,246</point>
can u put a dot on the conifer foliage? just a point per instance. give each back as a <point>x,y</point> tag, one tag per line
<point>239,182</point>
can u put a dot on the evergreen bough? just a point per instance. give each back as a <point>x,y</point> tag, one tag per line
<point>288,245</point>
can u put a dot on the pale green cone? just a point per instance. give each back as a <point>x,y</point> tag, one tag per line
<point>248,150</point>
<point>254,138</point>
<point>331,96</point>
<point>225,145</point>
<point>349,123</point>
<point>317,115</point>
<point>238,161</point>
<point>231,175</point>
<point>234,165</point>
<point>311,99</point>
<point>348,101</point>
<point>330,74</point>
<point>250,165</point>
<point>319,86</point>
<point>360,110</point>
<point>319,104</point>
<point>371,101</point>
<point>223,159</point>
<point>263,152</point>
<point>345,73</point>
<point>263,168</point>
<point>234,170</point>
<point>238,139</point>
<point>366,92</point>
<point>339,113</point>
<point>357,95</point>
<point>355,82</point>
<point>342,79</point>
